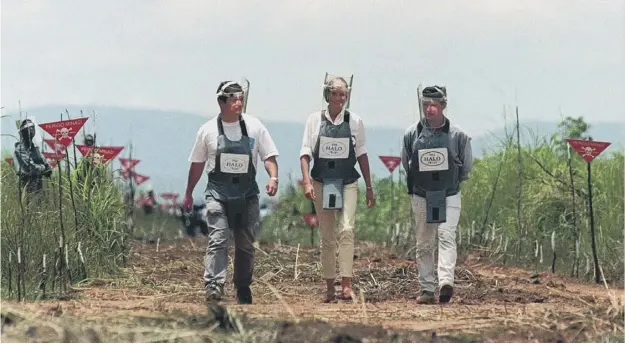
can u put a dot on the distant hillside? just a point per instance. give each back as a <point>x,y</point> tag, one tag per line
<point>163,140</point>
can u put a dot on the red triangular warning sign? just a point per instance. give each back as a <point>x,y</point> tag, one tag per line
<point>588,150</point>
<point>84,149</point>
<point>311,220</point>
<point>101,155</point>
<point>56,147</point>
<point>64,131</point>
<point>140,179</point>
<point>109,153</point>
<point>53,156</point>
<point>391,162</point>
<point>128,164</point>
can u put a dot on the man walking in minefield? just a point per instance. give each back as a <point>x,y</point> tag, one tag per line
<point>229,145</point>
<point>437,158</point>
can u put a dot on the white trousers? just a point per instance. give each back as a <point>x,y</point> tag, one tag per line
<point>426,239</point>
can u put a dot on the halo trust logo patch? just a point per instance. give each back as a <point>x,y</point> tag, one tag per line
<point>234,164</point>
<point>334,148</point>
<point>432,159</point>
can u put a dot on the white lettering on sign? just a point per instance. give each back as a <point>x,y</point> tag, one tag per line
<point>433,159</point>
<point>333,148</point>
<point>234,163</point>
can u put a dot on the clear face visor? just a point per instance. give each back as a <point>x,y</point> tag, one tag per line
<point>333,84</point>
<point>427,101</point>
<point>30,129</point>
<point>242,95</point>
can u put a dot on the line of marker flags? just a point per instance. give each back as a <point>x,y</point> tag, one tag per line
<point>63,133</point>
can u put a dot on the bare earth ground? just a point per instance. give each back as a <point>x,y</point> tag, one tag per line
<point>160,299</point>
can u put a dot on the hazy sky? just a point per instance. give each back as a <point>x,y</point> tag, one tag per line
<point>554,54</point>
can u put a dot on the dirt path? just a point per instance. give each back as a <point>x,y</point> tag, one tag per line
<point>162,290</point>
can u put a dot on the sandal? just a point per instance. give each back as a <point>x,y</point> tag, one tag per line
<point>330,298</point>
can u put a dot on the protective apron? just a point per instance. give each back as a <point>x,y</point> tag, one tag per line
<point>334,161</point>
<point>433,172</point>
<point>233,180</point>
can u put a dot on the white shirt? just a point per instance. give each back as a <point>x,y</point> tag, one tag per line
<point>205,146</point>
<point>311,132</point>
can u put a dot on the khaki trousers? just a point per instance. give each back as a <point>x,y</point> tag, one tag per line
<point>329,220</point>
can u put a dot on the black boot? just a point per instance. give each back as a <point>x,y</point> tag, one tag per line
<point>446,293</point>
<point>244,295</point>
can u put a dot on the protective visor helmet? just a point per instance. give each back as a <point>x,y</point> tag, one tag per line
<point>27,130</point>
<point>89,140</point>
<point>230,89</point>
<point>332,83</point>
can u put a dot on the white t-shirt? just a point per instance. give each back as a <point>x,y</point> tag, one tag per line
<point>311,132</point>
<point>205,146</point>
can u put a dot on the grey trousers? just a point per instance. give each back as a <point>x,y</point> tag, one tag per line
<point>219,233</point>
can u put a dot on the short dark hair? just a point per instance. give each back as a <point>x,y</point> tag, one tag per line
<point>235,87</point>
<point>436,92</point>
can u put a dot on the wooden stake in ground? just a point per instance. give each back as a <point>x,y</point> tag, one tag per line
<point>589,150</point>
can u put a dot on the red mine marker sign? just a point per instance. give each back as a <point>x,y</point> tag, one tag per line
<point>140,179</point>
<point>128,164</point>
<point>103,154</point>
<point>53,156</point>
<point>64,131</point>
<point>57,147</point>
<point>391,162</point>
<point>588,150</point>
<point>311,220</point>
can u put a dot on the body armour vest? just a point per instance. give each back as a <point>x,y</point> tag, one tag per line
<point>233,180</point>
<point>334,154</point>
<point>432,166</point>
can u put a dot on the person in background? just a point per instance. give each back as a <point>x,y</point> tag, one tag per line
<point>30,164</point>
<point>228,147</point>
<point>334,139</point>
<point>437,157</point>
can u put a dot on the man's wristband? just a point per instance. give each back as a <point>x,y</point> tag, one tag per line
<point>274,178</point>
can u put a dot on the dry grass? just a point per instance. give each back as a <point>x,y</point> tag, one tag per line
<point>160,299</point>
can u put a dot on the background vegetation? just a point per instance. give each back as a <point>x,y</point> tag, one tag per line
<point>519,207</point>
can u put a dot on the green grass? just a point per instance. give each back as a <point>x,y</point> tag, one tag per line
<point>488,222</point>
<point>92,232</point>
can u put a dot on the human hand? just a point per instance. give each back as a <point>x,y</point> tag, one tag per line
<point>271,187</point>
<point>309,191</point>
<point>187,203</point>
<point>370,198</point>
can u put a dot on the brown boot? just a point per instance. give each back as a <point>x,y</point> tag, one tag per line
<point>330,293</point>
<point>346,285</point>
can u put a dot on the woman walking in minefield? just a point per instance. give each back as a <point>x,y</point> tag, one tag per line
<point>334,139</point>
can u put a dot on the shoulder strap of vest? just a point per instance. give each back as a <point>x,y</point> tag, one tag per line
<point>220,126</point>
<point>419,128</point>
<point>243,126</point>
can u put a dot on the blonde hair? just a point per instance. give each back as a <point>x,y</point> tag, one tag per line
<point>337,82</point>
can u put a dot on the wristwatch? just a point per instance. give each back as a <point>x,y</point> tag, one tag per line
<point>274,178</point>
